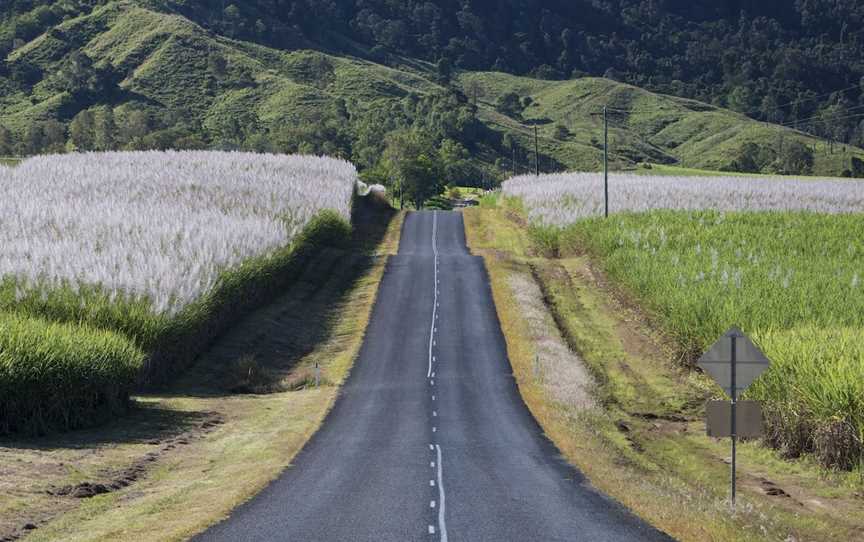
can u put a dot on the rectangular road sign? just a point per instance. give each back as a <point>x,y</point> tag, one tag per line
<point>734,362</point>
<point>749,362</point>
<point>748,419</point>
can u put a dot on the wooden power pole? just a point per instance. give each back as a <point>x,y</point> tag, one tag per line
<point>536,153</point>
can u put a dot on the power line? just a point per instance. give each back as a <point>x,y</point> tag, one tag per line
<point>841,116</point>
<point>838,116</point>
<point>802,100</point>
<point>747,113</point>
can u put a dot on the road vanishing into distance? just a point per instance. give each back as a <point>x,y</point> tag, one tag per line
<point>429,439</point>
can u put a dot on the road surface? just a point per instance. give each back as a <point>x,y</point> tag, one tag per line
<point>429,439</point>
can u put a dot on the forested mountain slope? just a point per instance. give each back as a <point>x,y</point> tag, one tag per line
<point>286,76</point>
<point>795,61</point>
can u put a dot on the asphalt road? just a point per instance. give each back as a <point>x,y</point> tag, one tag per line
<point>430,439</point>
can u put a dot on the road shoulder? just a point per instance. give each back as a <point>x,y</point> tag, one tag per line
<point>188,456</point>
<point>643,442</point>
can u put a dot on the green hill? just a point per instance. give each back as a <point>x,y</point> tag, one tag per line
<point>191,87</point>
<point>643,126</point>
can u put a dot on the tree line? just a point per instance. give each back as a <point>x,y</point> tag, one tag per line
<point>796,62</point>
<point>782,61</point>
<point>429,138</point>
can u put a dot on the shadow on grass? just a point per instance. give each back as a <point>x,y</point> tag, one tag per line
<point>146,423</point>
<point>274,337</point>
<point>257,355</point>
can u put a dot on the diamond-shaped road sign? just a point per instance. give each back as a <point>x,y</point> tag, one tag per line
<point>750,362</point>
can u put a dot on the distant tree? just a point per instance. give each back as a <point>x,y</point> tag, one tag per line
<point>104,130</point>
<point>545,71</point>
<point>830,123</point>
<point>749,160</point>
<point>755,158</point>
<point>562,133</point>
<point>230,131</point>
<point>509,142</point>
<point>474,90</point>
<point>7,145</point>
<point>34,139</point>
<point>260,29</point>
<point>260,142</point>
<point>233,21</point>
<point>54,136</point>
<point>423,177</point>
<point>315,69</point>
<point>81,131</point>
<point>323,132</point>
<point>217,64</point>
<point>445,70</point>
<point>416,170</point>
<point>78,76</point>
<point>131,125</point>
<point>452,151</point>
<point>796,159</point>
<point>510,105</point>
<point>24,73</point>
<point>858,137</point>
<point>771,110</point>
<point>189,142</point>
<point>857,170</point>
<point>455,164</point>
<point>740,99</point>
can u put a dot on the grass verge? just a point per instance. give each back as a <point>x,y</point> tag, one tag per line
<point>790,280</point>
<point>199,448</point>
<point>171,343</point>
<point>644,444</point>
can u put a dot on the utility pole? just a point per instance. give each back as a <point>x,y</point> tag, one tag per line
<point>536,152</point>
<point>514,160</point>
<point>606,159</point>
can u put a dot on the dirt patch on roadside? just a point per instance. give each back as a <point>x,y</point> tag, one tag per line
<point>634,326</point>
<point>56,499</point>
<point>116,480</point>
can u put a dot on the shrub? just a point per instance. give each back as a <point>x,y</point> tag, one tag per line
<point>439,203</point>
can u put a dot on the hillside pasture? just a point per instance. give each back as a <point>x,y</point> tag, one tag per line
<point>162,249</point>
<point>783,259</point>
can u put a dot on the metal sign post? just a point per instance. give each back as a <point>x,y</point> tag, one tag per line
<point>734,365</point>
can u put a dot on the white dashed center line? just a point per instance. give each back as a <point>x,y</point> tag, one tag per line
<point>435,283</point>
<point>442,524</point>
<point>430,374</point>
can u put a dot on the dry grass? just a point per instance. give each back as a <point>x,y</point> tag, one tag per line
<point>558,369</point>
